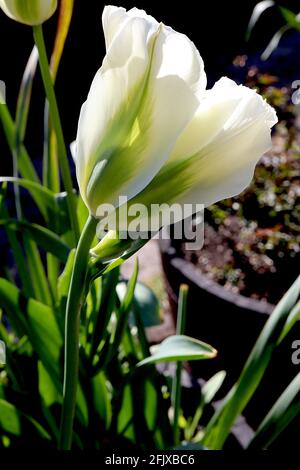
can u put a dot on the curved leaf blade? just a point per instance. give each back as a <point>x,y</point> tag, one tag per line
<point>281,414</point>
<point>13,421</point>
<point>180,348</point>
<point>44,198</point>
<point>44,237</point>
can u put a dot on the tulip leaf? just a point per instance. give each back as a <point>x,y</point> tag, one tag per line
<point>101,316</point>
<point>65,277</point>
<point>45,238</point>
<point>23,103</point>
<point>13,421</point>
<point>123,314</point>
<point>145,301</point>
<point>125,416</point>
<point>290,17</point>
<point>238,397</point>
<point>47,389</point>
<point>26,168</point>
<point>274,42</point>
<point>102,398</point>
<point>16,248</point>
<point>286,408</point>
<point>208,392</point>
<point>36,271</point>
<point>180,348</point>
<point>37,321</point>
<point>293,317</point>
<point>258,10</point>
<point>44,198</point>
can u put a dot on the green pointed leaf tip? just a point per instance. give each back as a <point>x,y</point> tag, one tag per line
<point>180,348</point>
<point>291,18</point>
<point>144,300</point>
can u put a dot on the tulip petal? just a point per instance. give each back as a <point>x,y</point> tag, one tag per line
<point>177,55</point>
<point>140,101</point>
<point>113,18</point>
<point>215,156</point>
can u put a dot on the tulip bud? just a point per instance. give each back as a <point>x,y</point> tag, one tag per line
<point>30,12</point>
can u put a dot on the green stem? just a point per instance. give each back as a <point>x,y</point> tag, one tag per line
<point>74,304</point>
<point>55,119</point>
<point>176,385</point>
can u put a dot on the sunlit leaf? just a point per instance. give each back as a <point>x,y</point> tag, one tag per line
<point>37,321</point>
<point>13,421</point>
<point>258,10</point>
<point>291,18</point>
<point>180,348</point>
<point>24,97</point>
<point>274,42</point>
<point>145,301</point>
<point>234,403</point>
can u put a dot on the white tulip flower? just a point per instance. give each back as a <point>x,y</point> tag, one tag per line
<point>146,92</point>
<point>30,12</point>
<point>152,132</point>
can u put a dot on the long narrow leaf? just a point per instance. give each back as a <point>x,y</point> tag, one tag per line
<point>279,417</point>
<point>23,105</point>
<point>44,237</point>
<point>16,249</point>
<point>180,348</point>
<point>37,321</point>
<point>274,42</point>
<point>37,272</point>
<point>293,317</point>
<point>44,198</point>
<point>13,421</point>
<point>25,165</point>
<point>258,10</point>
<point>123,313</point>
<point>220,425</point>
<point>292,19</point>
<point>24,97</point>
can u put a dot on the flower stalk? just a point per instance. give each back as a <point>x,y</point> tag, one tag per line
<point>54,113</point>
<point>72,324</point>
<point>176,384</point>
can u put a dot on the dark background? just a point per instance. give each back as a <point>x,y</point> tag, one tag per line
<point>216,27</point>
